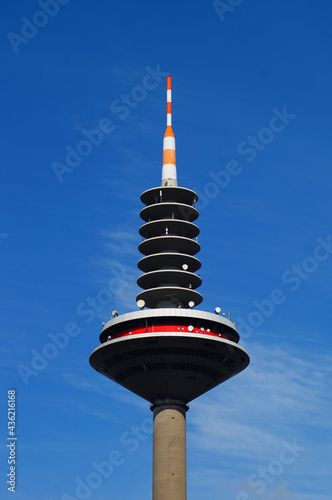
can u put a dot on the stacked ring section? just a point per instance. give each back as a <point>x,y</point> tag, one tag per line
<point>169,248</point>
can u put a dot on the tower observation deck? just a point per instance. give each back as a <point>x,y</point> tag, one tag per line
<point>168,352</point>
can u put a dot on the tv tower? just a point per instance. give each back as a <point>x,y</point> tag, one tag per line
<point>167,352</point>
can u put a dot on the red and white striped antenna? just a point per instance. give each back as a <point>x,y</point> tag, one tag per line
<point>169,177</point>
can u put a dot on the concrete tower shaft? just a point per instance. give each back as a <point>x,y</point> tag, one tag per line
<point>169,450</point>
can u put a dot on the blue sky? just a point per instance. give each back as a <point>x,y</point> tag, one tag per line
<point>252,116</point>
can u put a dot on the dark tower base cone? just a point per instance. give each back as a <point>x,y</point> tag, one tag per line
<point>169,353</point>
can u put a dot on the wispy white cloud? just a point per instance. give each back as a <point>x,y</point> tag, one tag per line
<point>279,385</point>
<point>275,492</point>
<point>121,281</point>
<point>114,267</point>
<point>122,242</point>
<point>313,496</point>
<point>106,389</point>
<point>282,396</point>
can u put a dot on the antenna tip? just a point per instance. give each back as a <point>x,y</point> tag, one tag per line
<point>169,75</point>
